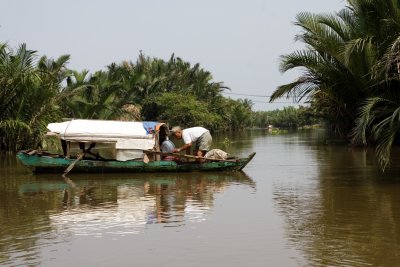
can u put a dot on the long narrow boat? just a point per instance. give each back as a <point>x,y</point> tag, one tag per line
<point>40,163</point>
<point>118,146</point>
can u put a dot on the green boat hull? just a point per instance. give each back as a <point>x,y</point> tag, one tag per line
<point>42,164</point>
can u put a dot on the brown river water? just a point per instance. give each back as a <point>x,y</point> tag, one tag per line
<point>304,200</point>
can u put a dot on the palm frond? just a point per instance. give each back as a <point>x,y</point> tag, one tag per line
<point>364,119</point>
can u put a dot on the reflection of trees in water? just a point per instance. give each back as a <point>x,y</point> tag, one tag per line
<point>46,207</point>
<point>174,196</point>
<point>349,215</point>
<point>18,214</point>
<point>190,195</point>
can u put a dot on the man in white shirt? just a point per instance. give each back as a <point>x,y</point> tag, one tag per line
<point>198,136</point>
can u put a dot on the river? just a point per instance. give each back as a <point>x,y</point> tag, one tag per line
<point>304,200</point>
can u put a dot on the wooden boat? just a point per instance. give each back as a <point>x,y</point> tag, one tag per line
<point>42,162</point>
<point>132,147</point>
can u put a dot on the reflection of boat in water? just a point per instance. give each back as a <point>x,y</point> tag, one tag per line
<point>118,146</point>
<point>124,204</point>
<point>51,182</point>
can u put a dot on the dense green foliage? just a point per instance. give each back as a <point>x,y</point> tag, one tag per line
<point>351,71</point>
<point>36,91</point>
<point>351,77</point>
<point>180,110</point>
<point>288,117</point>
<point>29,95</point>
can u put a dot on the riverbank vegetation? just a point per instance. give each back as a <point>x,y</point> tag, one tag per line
<point>350,79</point>
<point>35,91</point>
<point>351,72</point>
<point>288,118</point>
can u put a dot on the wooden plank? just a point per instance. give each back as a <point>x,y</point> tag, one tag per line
<point>32,152</point>
<point>188,156</point>
<point>67,170</point>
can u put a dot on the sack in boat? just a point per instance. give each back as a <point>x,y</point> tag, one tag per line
<point>217,154</point>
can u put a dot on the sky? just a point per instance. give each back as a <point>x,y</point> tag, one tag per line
<point>238,41</point>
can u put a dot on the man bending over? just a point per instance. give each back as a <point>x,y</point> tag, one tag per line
<point>199,136</point>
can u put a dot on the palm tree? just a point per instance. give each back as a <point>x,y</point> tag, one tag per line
<point>16,73</point>
<point>29,94</point>
<point>352,71</point>
<point>334,80</point>
<point>378,122</point>
<point>92,97</point>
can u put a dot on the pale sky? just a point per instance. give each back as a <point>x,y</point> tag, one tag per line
<point>239,42</point>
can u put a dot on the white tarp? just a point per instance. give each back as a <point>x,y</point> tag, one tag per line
<point>99,130</point>
<point>130,138</point>
<point>132,148</point>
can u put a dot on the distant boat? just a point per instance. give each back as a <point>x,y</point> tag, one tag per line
<point>99,146</point>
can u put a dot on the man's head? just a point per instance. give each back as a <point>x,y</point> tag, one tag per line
<point>177,132</point>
